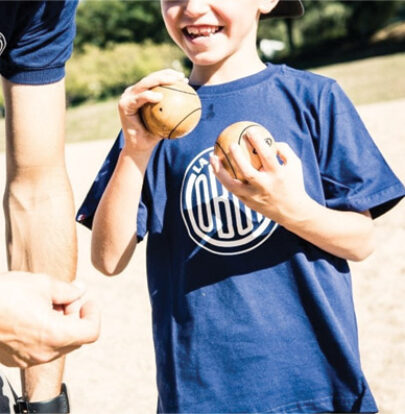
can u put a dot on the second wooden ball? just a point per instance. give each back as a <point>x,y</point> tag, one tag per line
<point>237,133</point>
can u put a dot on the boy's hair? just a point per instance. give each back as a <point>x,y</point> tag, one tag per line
<point>286,8</point>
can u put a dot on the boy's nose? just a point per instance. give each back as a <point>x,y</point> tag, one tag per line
<point>193,8</point>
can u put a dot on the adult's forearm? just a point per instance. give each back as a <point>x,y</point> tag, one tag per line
<point>43,382</point>
<point>41,237</point>
<point>345,234</point>
<point>40,229</point>
<point>38,201</point>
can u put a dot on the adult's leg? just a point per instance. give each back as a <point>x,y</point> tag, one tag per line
<point>38,202</point>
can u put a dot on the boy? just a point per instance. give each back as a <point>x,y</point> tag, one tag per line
<point>252,304</point>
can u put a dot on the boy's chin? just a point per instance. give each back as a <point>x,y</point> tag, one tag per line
<point>201,60</point>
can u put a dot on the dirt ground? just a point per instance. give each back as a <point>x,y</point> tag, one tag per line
<point>117,374</point>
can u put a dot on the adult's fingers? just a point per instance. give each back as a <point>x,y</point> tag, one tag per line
<point>87,328</point>
<point>74,307</point>
<point>63,293</point>
<point>65,331</point>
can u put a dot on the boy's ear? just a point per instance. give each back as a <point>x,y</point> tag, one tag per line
<point>266,6</point>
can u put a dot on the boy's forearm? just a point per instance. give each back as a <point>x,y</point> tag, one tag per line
<point>345,234</point>
<point>278,192</point>
<point>114,226</point>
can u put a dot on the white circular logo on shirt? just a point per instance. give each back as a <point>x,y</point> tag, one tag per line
<point>217,220</point>
<point>3,43</point>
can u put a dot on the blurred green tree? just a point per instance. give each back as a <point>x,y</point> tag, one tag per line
<point>366,17</point>
<point>332,19</point>
<point>106,22</point>
<point>102,23</point>
<point>323,21</point>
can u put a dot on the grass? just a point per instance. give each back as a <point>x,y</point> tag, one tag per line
<point>369,80</point>
<point>90,121</point>
<point>93,121</point>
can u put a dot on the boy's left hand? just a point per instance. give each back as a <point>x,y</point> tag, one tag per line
<point>277,190</point>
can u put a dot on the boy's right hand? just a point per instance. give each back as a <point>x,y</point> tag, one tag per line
<point>137,138</point>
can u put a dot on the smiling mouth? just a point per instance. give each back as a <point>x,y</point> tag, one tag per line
<point>194,32</point>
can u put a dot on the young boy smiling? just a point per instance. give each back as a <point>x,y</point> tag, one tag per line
<point>249,283</point>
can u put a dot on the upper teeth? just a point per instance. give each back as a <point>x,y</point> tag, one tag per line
<point>202,31</point>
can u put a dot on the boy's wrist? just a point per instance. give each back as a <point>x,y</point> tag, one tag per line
<point>300,217</point>
<point>140,158</point>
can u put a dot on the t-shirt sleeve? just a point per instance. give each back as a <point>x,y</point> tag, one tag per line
<point>355,176</point>
<point>85,214</point>
<point>37,40</point>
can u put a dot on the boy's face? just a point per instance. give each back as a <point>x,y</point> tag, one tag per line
<point>211,31</point>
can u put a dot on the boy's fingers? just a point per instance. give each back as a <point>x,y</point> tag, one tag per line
<point>286,153</point>
<point>131,104</point>
<point>247,171</point>
<point>224,177</point>
<point>220,172</point>
<point>266,153</point>
<point>162,77</point>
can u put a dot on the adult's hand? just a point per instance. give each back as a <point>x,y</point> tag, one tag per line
<point>42,319</point>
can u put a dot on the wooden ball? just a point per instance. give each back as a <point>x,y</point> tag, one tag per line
<point>177,114</point>
<point>236,133</point>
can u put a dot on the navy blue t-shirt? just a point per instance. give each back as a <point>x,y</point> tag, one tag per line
<point>36,40</point>
<point>247,316</point>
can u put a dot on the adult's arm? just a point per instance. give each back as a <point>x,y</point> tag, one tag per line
<point>38,202</point>
<point>48,333</point>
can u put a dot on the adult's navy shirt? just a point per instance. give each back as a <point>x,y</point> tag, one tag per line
<point>247,316</point>
<point>36,40</point>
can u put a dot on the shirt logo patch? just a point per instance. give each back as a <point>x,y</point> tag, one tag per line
<point>215,219</point>
<point>3,43</point>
